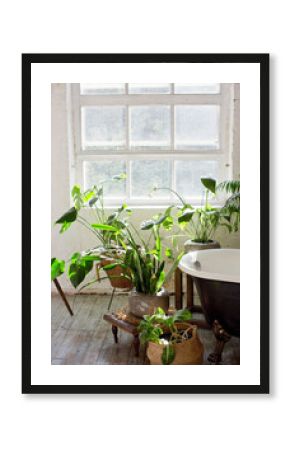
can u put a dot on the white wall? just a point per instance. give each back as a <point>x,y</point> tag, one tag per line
<point>78,238</point>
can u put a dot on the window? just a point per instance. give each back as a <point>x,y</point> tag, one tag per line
<point>160,135</point>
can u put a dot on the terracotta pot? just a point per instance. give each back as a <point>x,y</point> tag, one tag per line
<point>192,246</point>
<point>115,275</point>
<point>187,352</point>
<point>142,304</point>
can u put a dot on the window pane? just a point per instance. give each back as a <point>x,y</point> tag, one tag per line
<point>150,126</point>
<point>188,175</point>
<point>197,126</point>
<point>103,126</point>
<point>145,175</point>
<point>102,89</point>
<point>161,88</point>
<point>197,88</point>
<point>96,172</point>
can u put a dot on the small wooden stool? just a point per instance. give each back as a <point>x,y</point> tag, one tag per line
<point>125,326</point>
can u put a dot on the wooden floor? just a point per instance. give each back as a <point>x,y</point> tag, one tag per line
<point>86,338</point>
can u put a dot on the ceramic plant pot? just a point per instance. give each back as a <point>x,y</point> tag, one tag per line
<point>144,304</point>
<point>190,245</point>
<point>187,352</point>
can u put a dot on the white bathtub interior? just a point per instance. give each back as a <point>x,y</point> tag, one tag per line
<point>214,264</point>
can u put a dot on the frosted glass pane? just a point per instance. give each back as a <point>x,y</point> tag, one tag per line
<point>197,126</point>
<point>189,173</point>
<point>197,88</point>
<point>161,88</point>
<point>145,175</point>
<point>150,126</point>
<point>97,171</point>
<point>103,126</point>
<point>102,89</point>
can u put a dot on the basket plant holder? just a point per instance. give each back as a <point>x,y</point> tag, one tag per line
<point>188,351</point>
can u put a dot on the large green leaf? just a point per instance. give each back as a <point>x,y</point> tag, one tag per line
<point>181,315</point>
<point>87,264</point>
<point>69,216</point>
<point>167,223</point>
<point>209,183</point>
<point>91,257</point>
<point>147,224</point>
<point>168,354</point>
<point>57,268</point>
<point>93,201</point>
<point>76,273</point>
<point>110,266</point>
<point>65,226</point>
<point>76,191</point>
<point>185,217</point>
<point>173,267</point>
<point>79,267</point>
<point>160,219</point>
<point>104,227</point>
<point>160,280</point>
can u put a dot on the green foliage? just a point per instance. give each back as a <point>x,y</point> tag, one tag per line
<point>147,265</point>
<point>209,184</point>
<point>229,186</point>
<point>230,213</point>
<point>79,266</point>
<point>104,227</point>
<point>108,227</point>
<point>168,354</point>
<point>57,268</point>
<point>108,230</point>
<point>67,219</point>
<point>200,223</point>
<point>161,329</point>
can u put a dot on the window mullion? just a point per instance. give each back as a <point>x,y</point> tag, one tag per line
<point>128,163</point>
<point>172,139</point>
<point>128,179</point>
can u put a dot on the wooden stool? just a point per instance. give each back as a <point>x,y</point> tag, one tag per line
<point>125,326</point>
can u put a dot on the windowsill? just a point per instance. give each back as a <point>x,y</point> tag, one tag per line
<point>145,207</point>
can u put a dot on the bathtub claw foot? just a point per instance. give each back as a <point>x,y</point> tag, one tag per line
<point>221,338</point>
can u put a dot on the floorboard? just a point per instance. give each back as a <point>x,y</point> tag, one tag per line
<point>86,339</point>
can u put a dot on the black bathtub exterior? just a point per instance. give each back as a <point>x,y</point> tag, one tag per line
<point>220,300</point>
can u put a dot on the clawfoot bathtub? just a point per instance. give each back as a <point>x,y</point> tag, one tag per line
<point>216,274</point>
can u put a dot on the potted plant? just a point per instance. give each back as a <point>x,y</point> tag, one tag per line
<point>200,223</point>
<point>171,340</point>
<point>148,265</point>
<point>108,230</point>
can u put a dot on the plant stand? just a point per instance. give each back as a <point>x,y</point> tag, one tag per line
<point>126,326</point>
<point>63,297</point>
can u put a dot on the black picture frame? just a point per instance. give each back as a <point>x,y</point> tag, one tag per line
<point>263,61</point>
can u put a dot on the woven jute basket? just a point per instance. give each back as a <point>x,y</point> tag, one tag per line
<point>187,352</point>
<point>115,275</point>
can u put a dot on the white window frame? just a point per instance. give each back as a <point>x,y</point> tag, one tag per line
<point>224,155</point>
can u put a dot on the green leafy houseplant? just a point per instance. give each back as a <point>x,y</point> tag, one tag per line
<point>168,332</point>
<point>231,208</point>
<point>108,230</point>
<point>200,223</point>
<point>146,261</point>
<point>147,264</point>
